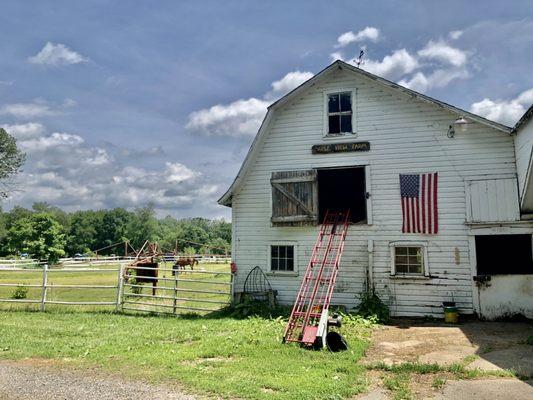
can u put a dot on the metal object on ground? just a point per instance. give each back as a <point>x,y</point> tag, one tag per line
<point>257,286</point>
<point>309,317</point>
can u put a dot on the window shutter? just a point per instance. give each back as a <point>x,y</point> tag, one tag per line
<point>294,198</point>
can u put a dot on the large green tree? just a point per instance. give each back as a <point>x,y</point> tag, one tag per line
<point>39,235</point>
<point>11,160</point>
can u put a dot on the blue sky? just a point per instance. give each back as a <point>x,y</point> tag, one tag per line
<point>123,103</point>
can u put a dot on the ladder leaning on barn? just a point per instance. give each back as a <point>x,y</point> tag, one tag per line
<point>309,316</point>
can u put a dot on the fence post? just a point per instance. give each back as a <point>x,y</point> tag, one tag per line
<point>45,283</point>
<point>120,287</point>
<point>175,301</point>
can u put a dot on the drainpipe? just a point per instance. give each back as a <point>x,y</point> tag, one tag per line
<point>370,271</point>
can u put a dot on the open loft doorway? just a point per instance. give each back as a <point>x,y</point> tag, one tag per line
<point>340,189</point>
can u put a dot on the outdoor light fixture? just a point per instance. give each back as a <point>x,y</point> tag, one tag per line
<point>460,123</point>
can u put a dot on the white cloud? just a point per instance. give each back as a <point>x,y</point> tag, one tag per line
<point>393,66</point>
<point>27,110</point>
<point>454,35</point>
<point>64,170</point>
<point>436,79</point>
<point>507,112</point>
<point>443,52</point>
<point>56,55</point>
<point>290,81</point>
<point>369,33</point>
<point>243,117</point>
<point>24,131</point>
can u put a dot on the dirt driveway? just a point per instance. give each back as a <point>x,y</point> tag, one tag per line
<point>489,349</point>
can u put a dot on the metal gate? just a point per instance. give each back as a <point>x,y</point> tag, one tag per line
<point>174,291</point>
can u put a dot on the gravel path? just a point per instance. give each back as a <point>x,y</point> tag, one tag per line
<point>24,381</point>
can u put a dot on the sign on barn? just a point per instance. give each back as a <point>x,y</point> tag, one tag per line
<point>340,147</point>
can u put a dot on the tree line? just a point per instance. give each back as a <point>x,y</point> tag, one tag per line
<point>47,232</point>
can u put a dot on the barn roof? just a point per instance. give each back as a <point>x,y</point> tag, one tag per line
<point>524,119</point>
<point>226,199</point>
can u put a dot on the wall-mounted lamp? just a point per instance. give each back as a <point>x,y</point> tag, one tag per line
<point>459,124</point>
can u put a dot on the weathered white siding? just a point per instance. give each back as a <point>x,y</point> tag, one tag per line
<point>406,135</point>
<point>523,149</point>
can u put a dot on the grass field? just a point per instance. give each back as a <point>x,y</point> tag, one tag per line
<point>224,356</point>
<point>108,276</point>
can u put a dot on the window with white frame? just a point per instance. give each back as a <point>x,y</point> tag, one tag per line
<point>409,259</point>
<point>282,257</point>
<point>339,113</point>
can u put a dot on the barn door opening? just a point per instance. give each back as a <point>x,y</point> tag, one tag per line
<point>294,198</point>
<point>343,188</point>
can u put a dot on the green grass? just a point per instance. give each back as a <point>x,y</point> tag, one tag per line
<point>223,356</point>
<point>399,385</point>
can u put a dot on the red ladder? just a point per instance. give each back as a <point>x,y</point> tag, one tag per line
<point>314,296</point>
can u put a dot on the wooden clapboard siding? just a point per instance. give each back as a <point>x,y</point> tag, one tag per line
<point>524,152</point>
<point>406,135</point>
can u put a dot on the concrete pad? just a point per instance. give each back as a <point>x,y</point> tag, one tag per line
<point>400,345</point>
<point>376,394</point>
<point>447,355</point>
<point>487,389</point>
<point>519,358</point>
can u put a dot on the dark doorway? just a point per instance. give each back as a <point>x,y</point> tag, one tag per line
<point>340,189</point>
<point>504,254</point>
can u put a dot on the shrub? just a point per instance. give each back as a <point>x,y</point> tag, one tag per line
<point>372,306</point>
<point>21,292</point>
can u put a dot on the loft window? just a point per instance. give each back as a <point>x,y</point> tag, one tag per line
<point>409,259</point>
<point>340,189</point>
<point>340,113</point>
<point>282,258</point>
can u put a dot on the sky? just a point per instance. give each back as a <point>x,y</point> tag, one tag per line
<point>122,104</point>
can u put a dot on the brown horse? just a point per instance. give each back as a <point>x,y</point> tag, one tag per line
<point>181,263</point>
<point>143,273</point>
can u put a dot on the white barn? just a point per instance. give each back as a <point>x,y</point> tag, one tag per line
<point>342,139</point>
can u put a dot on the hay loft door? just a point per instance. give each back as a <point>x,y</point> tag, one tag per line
<point>294,198</point>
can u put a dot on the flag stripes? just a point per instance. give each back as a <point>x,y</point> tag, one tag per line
<point>419,203</point>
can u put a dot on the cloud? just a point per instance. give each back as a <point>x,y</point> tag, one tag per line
<point>27,110</point>
<point>507,112</point>
<point>443,52</point>
<point>289,82</point>
<point>24,131</point>
<point>57,55</point>
<point>243,117</point>
<point>454,35</point>
<point>393,66</point>
<point>369,33</point>
<point>64,170</point>
<point>436,79</point>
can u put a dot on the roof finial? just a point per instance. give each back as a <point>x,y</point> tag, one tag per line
<point>359,60</point>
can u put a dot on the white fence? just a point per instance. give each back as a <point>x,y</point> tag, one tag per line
<point>198,290</point>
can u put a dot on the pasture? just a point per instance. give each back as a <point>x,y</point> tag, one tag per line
<point>199,290</point>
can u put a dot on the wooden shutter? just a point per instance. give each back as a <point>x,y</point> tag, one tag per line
<point>294,197</point>
<point>492,200</point>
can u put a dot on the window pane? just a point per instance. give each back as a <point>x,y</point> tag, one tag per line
<point>290,251</point>
<point>402,269</point>
<point>346,123</point>
<point>334,124</point>
<point>346,101</point>
<point>413,251</point>
<point>333,103</point>
<point>282,264</point>
<point>401,251</point>
<point>275,251</point>
<point>414,260</point>
<point>415,269</point>
<point>401,259</point>
<point>274,264</point>
<point>290,264</point>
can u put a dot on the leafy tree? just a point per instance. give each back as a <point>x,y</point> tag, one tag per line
<point>40,235</point>
<point>11,160</point>
<point>142,226</point>
<point>82,236</point>
<point>113,229</point>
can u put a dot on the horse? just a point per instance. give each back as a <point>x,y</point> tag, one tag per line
<point>182,262</point>
<point>146,273</point>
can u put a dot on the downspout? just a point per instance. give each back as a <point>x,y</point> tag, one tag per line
<point>370,270</point>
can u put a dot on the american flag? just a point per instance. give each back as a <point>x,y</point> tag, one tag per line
<point>419,203</point>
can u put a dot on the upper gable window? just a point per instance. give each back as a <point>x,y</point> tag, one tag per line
<point>339,113</point>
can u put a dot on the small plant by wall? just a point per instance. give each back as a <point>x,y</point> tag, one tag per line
<point>372,306</point>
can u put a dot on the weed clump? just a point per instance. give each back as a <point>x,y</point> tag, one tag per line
<point>21,292</point>
<point>371,306</point>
